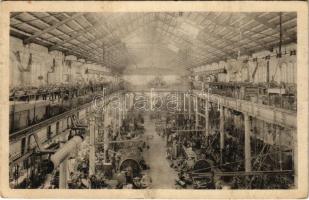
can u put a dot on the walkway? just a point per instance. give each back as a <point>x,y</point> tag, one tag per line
<point>163,177</point>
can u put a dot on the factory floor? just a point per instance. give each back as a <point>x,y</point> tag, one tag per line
<point>163,176</point>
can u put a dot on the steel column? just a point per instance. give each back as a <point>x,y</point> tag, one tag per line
<point>207,117</point>
<point>92,147</point>
<point>106,142</point>
<point>247,143</point>
<point>295,158</point>
<point>196,112</point>
<point>221,127</point>
<point>189,100</point>
<point>63,167</point>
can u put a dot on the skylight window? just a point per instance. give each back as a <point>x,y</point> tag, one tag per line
<point>189,29</point>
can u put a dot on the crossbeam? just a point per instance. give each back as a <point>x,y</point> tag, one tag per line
<point>56,25</point>
<point>269,25</point>
<point>236,31</point>
<point>76,35</point>
<point>228,41</point>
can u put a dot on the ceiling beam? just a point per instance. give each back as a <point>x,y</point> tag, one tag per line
<point>37,29</point>
<point>229,42</point>
<point>226,52</point>
<point>100,54</point>
<point>56,25</point>
<point>80,32</point>
<point>52,34</point>
<point>92,51</point>
<point>269,25</point>
<point>111,34</point>
<point>21,35</point>
<point>210,44</point>
<point>76,35</point>
<point>202,47</point>
<point>235,30</point>
<point>170,33</point>
<point>14,14</point>
<point>102,37</point>
<point>57,36</point>
<point>76,50</point>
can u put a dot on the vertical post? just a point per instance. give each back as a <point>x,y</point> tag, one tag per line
<point>104,53</point>
<point>206,117</point>
<point>125,105</point>
<point>63,174</point>
<point>295,158</point>
<point>278,135</point>
<point>184,103</point>
<point>105,141</point>
<point>92,147</point>
<point>114,119</point>
<point>221,128</point>
<point>280,34</point>
<point>63,167</point>
<point>247,143</point>
<point>196,112</point>
<point>189,100</point>
<point>120,112</point>
<point>267,71</point>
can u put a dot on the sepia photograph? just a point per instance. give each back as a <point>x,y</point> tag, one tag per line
<point>185,100</point>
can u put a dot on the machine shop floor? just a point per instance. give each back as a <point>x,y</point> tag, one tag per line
<point>163,176</point>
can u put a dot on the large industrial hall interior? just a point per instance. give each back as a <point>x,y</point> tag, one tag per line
<point>160,100</point>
